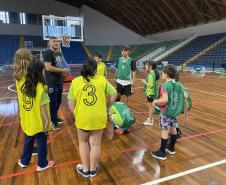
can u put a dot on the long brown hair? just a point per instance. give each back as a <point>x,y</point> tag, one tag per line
<point>22,59</point>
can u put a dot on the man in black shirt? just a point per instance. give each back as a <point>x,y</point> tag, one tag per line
<point>54,74</point>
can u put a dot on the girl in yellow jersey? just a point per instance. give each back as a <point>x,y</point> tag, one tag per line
<point>34,108</point>
<point>101,67</point>
<point>87,99</point>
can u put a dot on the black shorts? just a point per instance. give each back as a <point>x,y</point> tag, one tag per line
<point>150,98</point>
<point>124,90</point>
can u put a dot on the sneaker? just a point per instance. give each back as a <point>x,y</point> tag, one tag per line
<point>94,173</point>
<point>49,165</point>
<point>148,123</point>
<point>79,169</point>
<point>119,132</point>
<point>60,121</point>
<point>21,165</point>
<point>171,150</point>
<point>128,130</point>
<point>159,155</point>
<point>179,134</point>
<point>55,128</point>
<point>34,152</point>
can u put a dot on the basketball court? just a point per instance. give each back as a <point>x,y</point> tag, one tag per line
<point>126,159</point>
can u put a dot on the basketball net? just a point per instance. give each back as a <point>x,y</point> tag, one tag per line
<point>66,41</point>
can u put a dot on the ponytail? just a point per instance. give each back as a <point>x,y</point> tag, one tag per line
<point>89,69</point>
<point>154,67</point>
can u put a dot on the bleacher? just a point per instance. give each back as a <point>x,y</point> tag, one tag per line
<point>75,54</point>
<point>37,41</point>
<point>137,51</point>
<point>215,57</point>
<point>8,45</point>
<point>193,48</point>
<point>103,50</point>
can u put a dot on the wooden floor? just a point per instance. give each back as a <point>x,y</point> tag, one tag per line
<point>126,159</point>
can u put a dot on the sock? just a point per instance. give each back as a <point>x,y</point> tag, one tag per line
<point>173,140</point>
<point>163,145</point>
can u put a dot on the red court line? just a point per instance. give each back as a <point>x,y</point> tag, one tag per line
<point>7,124</point>
<point>5,177</point>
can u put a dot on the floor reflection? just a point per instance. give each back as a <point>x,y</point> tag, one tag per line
<point>8,107</point>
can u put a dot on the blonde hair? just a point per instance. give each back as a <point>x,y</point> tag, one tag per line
<point>22,59</point>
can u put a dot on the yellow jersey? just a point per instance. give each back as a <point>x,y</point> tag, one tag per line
<point>101,69</point>
<point>90,110</point>
<point>32,121</point>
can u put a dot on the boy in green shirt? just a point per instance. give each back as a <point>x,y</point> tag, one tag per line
<point>126,73</point>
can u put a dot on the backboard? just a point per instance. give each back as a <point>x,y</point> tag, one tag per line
<point>62,26</point>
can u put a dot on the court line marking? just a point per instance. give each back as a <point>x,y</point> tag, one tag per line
<point>10,88</point>
<point>111,153</point>
<point>193,170</point>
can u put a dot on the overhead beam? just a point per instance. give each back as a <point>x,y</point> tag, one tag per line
<point>111,12</point>
<point>183,9</point>
<point>173,12</point>
<point>197,11</point>
<point>134,19</point>
<point>152,11</point>
<point>158,7</point>
<point>143,8</point>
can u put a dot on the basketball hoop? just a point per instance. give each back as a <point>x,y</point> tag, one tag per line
<point>66,41</point>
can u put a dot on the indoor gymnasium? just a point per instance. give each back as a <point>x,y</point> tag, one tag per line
<point>113,92</point>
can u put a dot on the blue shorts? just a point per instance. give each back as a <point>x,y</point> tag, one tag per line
<point>167,122</point>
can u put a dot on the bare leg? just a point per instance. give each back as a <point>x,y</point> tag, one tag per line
<point>95,141</point>
<point>84,148</point>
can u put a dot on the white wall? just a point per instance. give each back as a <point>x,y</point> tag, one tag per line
<point>101,30</point>
<point>39,6</point>
<point>205,29</point>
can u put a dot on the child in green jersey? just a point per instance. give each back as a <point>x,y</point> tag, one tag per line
<point>121,117</point>
<point>171,103</point>
<point>151,88</point>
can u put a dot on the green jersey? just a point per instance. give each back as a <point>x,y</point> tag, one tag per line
<point>121,116</point>
<point>175,104</point>
<point>124,69</point>
<point>153,83</point>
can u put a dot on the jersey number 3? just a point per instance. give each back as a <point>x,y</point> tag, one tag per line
<point>92,98</point>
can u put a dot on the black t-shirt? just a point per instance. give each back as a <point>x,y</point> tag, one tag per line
<point>55,60</point>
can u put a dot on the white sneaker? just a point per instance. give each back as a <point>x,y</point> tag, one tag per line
<point>49,165</point>
<point>21,165</point>
<point>148,123</point>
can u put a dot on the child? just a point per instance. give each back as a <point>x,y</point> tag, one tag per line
<point>101,67</point>
<point>121,117</point>
<point>172,104</point>
<point>125,74</point>
<point>23,58</point>
<point>151,88</point>
<point>87,99</point>
<point>33,105</point>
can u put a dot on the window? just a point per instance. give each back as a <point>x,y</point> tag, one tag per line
<point>22,18</point>
<point>4,17</point>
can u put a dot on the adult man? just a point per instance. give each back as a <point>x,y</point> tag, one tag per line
<point>54,74</point>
